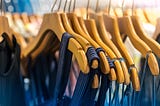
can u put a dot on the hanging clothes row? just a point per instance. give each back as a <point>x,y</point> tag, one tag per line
<point>79,58</point>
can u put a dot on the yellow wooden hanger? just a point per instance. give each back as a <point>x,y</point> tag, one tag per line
<point>93,32</point>
<point>5,29</point>
<point>118,12</point>
<point>44,45</point>
<point>17,35</point>
<point>111,26</point>
<point>105,38</point>
<point>139,12</point>
<point>112,71</point>
<point>108,42</point>
<point>25,18</point>
<point>52,23</point>
<point>20,39</point>
<point>157,30</point>
<point>150,15</point>
<point>77,28</point>
<point>85,44</point>
<point>143,35</point>
<point>90,25</point>
<point>126,27</point>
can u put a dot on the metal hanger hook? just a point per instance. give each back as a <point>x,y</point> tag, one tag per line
<point>97,6</point>
<point>109,6</point>
<point>65,5</point>
<point>123,6</point>
<point>69,9</point>
<point>54,4</point>
<point>133,5</point>
<point>74,6</point>
<point>59,5</point>
<point>2,8</point>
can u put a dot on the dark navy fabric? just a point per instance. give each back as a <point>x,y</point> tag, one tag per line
<point>11,87</point>
<point>90,93</point>
<point>106,84</point>
<point>41,79</point>
<point>83,88</point>
<point>65,58</point>
<point>149,85</point>
<point>158,79</point>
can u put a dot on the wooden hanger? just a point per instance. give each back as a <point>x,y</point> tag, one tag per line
<point>25,18</point>
<point>91,27</point>
<point>111,26</point>
<point>44,46</point>
<point>105,38</point>
<point>5,29</point>
<point>85,44</point>
<point>143,35</point>
<point>126,27</point>
<point>77,28</point>
<point>20,39</point>
<point>157,30</point>
<point>118,12</point>
<point>151,15</point>
<point>139,12</point>
<point>52,22</point>
<point>112,71</point>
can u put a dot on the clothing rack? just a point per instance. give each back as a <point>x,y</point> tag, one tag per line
<point>96,55</point>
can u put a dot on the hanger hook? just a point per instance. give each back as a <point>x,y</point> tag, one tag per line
<point>97,6</point>
<point>123,6</point>
<point>87,17</point>
<point>74,6</point>
<point>65,5</point>
<point>109,6</point>
<point>70,5</point>
<point>2,8</point>
<point>133,6</point>
<point>54,4</point>
<point>59,5</point>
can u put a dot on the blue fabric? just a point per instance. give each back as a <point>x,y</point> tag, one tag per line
<point>105,84</point>
<point>18,6</point>
<point>11,88</point>
<point>40,85</point>
<point>83,88</point>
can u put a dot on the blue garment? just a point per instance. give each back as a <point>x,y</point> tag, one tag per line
<point>83,86</point>
<point>11,88</point>
<point>19,6</point>
<point>41,78</point>
<point>147,95</point>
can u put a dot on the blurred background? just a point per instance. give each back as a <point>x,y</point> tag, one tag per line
<point>44,6</point>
